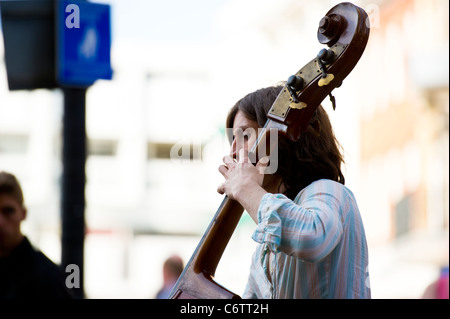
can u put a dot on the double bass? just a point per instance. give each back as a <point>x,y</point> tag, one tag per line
<point>344,30</point>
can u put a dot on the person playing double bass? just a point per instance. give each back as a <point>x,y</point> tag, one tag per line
<point>310,235</point>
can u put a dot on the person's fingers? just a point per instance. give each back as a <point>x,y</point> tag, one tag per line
<point>223,170</point>
<point>243,156</point>
<point>229,161</point>
<point>221,189</point>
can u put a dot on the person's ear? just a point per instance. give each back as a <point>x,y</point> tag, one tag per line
<point>24,213</point>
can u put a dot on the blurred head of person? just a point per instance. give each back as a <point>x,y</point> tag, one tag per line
<point>172,269</point>
<point>12,213</point>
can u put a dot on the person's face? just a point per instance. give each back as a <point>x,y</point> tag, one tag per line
<point>11,215</point>
<point>245,133</point>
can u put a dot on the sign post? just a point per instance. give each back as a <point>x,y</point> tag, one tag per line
<point>65,44</point>
<point>73,182</point>
<point>83,44</point>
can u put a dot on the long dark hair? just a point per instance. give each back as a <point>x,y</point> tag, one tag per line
<point>316,155</point>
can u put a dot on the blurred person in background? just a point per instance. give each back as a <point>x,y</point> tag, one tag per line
<point>439,288</point>
<point>310,235</point>
<point>25,272</point>
<point>172,269</point>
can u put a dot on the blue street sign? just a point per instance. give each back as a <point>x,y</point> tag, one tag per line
<point>83,43</point>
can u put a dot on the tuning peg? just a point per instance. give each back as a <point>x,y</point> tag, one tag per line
<point>326,56</point>
<point>295,82</point>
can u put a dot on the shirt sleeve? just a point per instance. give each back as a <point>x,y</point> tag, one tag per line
<point>308,230</point>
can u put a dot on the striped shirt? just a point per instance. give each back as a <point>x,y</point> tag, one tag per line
<point>312,247</point>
